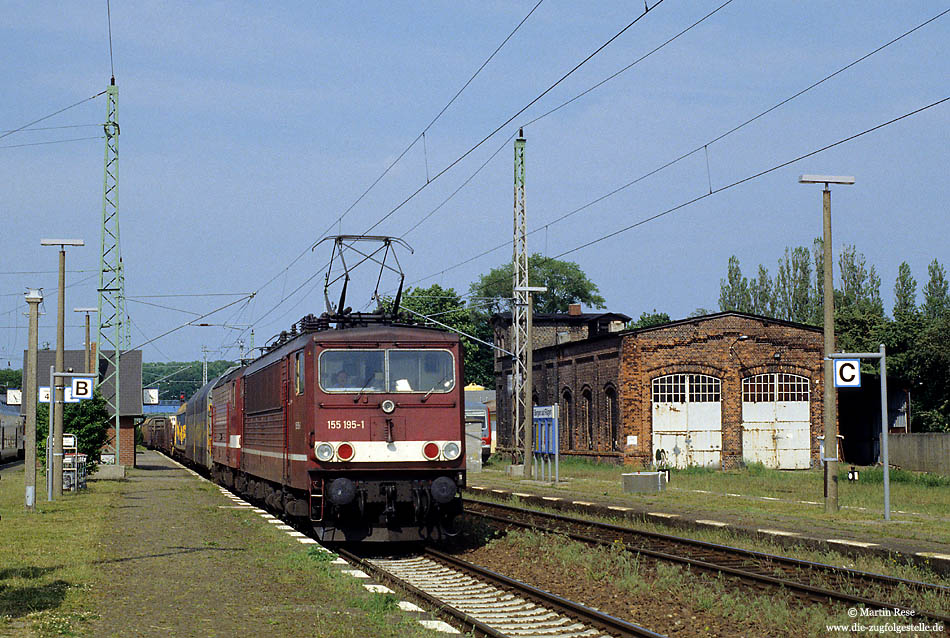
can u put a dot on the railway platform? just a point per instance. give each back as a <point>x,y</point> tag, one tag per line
<point>177,555</point>
<point>785,531</point>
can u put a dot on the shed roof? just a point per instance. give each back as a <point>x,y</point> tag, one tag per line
<point>727,313</point>
<point>130,383</point>
<point>563,318</point>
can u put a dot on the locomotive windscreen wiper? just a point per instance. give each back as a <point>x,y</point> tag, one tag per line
<point>359,394</point>
<point>432,389</point>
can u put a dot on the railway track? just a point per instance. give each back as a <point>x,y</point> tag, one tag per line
<point>486,602</point>
<point>492,604</point>
<point>815,581</point>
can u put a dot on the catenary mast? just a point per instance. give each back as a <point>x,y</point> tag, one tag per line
<point>113,334</point>
<point>519,309</point>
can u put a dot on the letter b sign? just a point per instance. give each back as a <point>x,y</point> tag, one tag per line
<point>82,388</point>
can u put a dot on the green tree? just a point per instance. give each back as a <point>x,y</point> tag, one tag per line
<point>918,350</point>
<point>734,291</point>
<point>860,286</point>
<point>930,364</point>
<point>446,306</point>
<point>565,281</point>
<point>936,299</point>
<point>818,290</point>
<point>11,378</point>
<point>860,324</point>
<point>905,292</point>
<point>176,378</point>
<point>793,298</point>
<point>649,319</point>
<point>760,290</point>
<point>88,420</point>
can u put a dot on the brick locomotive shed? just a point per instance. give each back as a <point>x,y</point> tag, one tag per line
<point>716,390</point>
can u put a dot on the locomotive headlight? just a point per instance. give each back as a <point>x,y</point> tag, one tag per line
<point>451,450</point>
<point>387,406</point>
<point>324,451</point>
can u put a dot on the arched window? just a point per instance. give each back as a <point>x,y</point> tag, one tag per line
<point>565,417</point>
<point>587,415</point>
<point>612,417</point>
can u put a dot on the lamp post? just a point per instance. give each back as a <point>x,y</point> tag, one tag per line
<point>89,365</point>
<point>830,394</point>
<point>33,298</point>
<point>57,398</point>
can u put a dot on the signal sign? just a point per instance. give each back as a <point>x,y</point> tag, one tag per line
<point>69,392</point>
<point>847,373</point>
<point>82,388</point>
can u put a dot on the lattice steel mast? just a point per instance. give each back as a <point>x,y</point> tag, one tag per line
<point>113,333</point>
<point>519,309</point>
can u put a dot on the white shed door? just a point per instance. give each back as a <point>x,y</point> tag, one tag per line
<point>775,421</point>
<point>687,420</point>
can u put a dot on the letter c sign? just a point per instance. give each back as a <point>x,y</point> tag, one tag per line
<point>847,373</point>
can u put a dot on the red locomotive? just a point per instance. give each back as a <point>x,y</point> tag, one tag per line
<point>353,422</point>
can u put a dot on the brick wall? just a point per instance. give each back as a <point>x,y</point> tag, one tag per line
<point>126,440</point>
<point>712,346</point>
<point>578,368</point>
<point>629,361</point>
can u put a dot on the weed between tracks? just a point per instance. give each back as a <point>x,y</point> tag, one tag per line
<point>920,502</point>
<point>662,597</point>
<point>867,563</point>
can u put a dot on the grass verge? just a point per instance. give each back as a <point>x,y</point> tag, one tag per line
<point>920,503</point>
<point>44,581</point>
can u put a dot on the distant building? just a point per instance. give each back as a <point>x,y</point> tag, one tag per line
<point>130,390</point>
<point>553,328</point>
<point>715,391</point>
<point>11,430</point>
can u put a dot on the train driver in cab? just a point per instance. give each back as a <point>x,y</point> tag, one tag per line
<point>341,379</point>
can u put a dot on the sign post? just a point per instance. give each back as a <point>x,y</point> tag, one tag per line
<point>81,389</point>
<point>848,374</point>
<point>545,444</point>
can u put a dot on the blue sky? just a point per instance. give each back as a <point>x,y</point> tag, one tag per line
<point>249,128</point>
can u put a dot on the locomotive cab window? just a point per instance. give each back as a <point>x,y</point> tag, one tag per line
<point>421,371</point>
<point>352,371</point>
<point>387,371</point>
<point>300,374</point>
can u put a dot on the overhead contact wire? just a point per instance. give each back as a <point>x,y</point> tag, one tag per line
<point>752,177</point>
<point>510,119</point>
<point>434,120</point>
<point>74,139</point>
<point>570,101</point>
<point>46,117</point>
<point>688,153</point>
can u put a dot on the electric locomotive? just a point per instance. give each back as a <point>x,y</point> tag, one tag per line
<point>351,422</point>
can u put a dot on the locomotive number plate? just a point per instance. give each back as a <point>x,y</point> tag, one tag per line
<point>345,425</point>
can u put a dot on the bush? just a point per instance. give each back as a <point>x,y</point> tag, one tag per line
<point>88,420</point>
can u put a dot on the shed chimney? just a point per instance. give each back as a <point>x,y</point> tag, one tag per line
<point>574,309</point>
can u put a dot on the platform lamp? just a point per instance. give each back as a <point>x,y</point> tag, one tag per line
<point>89,364</point>
<point>831,412</point>
<point>57,397</point>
